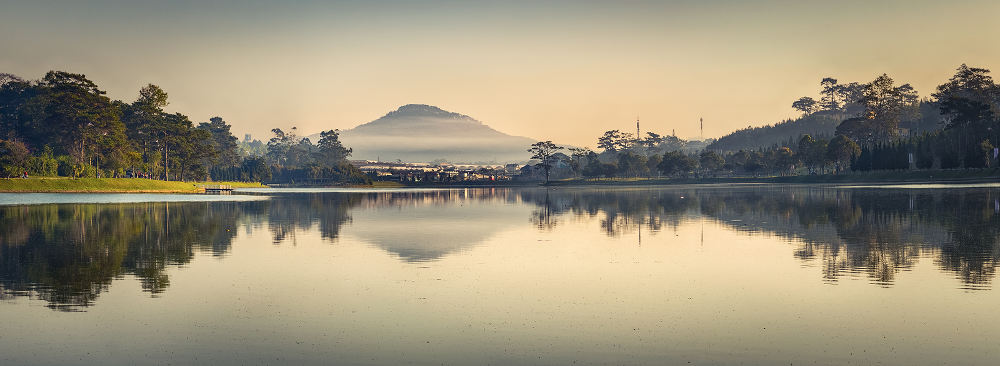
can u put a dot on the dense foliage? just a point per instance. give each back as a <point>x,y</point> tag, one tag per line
<point>65,125</point>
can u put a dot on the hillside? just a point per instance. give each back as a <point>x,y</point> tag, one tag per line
<point>817,125</point>
<point>927,118</point>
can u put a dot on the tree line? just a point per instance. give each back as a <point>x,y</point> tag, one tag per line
<point>814,155</point>
<point>65,125</point>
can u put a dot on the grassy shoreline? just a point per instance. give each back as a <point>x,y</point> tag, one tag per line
<point>105,185</point>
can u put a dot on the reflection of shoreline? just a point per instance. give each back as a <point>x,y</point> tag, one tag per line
<point>878,232</point>
<point>69,254</point>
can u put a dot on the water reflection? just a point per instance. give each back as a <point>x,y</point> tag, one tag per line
<point>68,254</point>
<point>875,232</point>
<point>291,213</point>
<point>413,226</point>
<point>620,210</point>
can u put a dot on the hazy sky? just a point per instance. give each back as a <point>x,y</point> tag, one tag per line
<point>559,70</point>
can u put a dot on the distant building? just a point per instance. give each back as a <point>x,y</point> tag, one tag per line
<point>423,172</point>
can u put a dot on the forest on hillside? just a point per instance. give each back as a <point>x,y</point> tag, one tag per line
<point>821,117</point>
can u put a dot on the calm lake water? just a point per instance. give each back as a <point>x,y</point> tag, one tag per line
<point>702,275</point>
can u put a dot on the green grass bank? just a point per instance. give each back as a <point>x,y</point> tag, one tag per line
<point>106,185</point>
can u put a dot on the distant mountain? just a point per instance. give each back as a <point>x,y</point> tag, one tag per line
<point>423,133</point>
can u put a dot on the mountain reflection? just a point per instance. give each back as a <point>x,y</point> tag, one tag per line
<point>875,232</point>
<point>424,226</point>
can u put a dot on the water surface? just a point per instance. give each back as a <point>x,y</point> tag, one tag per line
<point>755,275</point>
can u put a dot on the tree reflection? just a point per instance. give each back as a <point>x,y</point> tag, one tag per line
<point>68,254</point>
<point>619,210</point>
<point>290,213</point>
<point>877,232</point>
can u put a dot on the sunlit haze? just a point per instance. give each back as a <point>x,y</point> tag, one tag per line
<point>562,71</point>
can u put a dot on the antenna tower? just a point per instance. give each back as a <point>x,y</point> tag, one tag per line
<point>701,135</point>
<point>637,127</point>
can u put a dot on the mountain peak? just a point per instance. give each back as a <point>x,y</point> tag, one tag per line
<point>419,108</point>
<point>425,111</point>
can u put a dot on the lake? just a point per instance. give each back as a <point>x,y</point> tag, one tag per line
<point>756,275</point>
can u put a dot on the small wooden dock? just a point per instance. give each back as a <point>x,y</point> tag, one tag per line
<point>216,188</point>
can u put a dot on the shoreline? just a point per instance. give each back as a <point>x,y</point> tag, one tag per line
<point>142,185</point>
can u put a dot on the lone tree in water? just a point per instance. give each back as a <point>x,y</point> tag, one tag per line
<point>544,151</point>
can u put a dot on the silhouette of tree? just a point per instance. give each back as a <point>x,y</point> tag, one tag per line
<point>544,151</point>
<point>969,97</point>
<point>807,105</point>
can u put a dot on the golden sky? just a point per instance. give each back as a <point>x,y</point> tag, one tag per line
<point>562,70</point>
